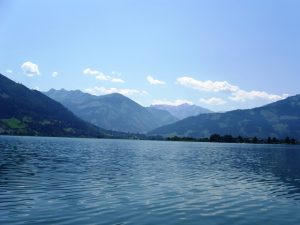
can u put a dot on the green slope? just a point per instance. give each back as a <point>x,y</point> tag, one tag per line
<point>29,112</point>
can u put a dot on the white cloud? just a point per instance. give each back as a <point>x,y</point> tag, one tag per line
<point>213,101</point>
<point>102,76</point>
<point>207,85</point>
<point>30,69</point>
<point>174,103</point>
<point>237,94</point>
<point>36,88</point>
<point>54,74</point>
<point>89,71</point>
<point>8,71</point>
<point>125,91</point>
<point>117,80</point>
<point>242,95</point>
<point>154,81</point>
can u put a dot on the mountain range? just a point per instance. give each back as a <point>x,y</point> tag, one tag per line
<point>279,119</point>
<point>76,114</point>
<point>29,112</point>
<point>113,111</point>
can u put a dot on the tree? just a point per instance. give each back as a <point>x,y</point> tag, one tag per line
<point>287,140</point>
<point>215,138</point>
<point>228,138</point>
<point>255,140</point>
<point>240,139</point>
<point>269,141</point>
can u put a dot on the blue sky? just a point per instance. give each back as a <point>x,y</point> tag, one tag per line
<point>221,55</point>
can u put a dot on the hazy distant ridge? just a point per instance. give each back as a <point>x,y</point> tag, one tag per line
<point>182,111</point>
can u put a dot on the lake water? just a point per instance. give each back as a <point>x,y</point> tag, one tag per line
<point>97,181</point>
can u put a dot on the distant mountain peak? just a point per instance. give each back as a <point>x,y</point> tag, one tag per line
<point>169,105</point>
<point>185,104</point>
<point>112,111</point>
<point>182,111</point>
<point>115,94</point>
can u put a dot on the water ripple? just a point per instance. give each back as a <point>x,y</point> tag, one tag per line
<point>89,181</point>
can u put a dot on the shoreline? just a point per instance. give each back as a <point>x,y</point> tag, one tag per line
<point>174,139</point>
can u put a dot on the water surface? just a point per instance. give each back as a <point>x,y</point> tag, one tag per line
<point>98,181</point>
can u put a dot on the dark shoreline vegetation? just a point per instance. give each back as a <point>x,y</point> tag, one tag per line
<point>230,139</point>
<point>214,138</point>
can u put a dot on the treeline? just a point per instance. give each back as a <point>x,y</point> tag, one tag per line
<point>239,139</point>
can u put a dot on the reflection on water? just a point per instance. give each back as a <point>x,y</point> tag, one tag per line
<point>89,181</point>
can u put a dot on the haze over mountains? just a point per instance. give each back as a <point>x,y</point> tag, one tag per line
<point>112,111</point>
<point>279,119</point>
<point>182,111</point>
